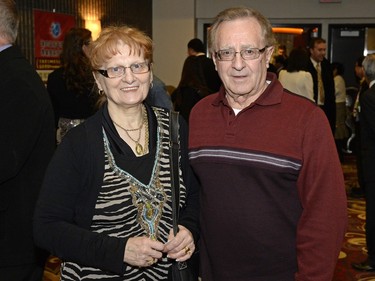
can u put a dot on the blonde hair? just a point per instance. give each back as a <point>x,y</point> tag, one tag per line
<point>240,13</point>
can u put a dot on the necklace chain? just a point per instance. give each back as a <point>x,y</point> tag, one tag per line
<point>145,120</point>
<point>139,149</point>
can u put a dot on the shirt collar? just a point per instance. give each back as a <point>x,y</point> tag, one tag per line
<point>2,48</point>
<point>271,95</point>
<point>315,63</point>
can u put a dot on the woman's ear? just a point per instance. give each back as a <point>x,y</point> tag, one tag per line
<point>151,73</point>
<point>94,73</point>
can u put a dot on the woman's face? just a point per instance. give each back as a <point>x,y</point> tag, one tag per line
<point>129,89</point>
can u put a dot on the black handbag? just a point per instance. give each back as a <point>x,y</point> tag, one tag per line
<point>187,270</point>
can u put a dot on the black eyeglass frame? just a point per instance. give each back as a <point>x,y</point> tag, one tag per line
<point>258,51</point>
<point>104,72</point>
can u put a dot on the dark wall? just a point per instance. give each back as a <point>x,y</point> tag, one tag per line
<point>136,13</point>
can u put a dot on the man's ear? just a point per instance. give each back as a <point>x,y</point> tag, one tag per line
<point>214,60</point>
<point>269,52</point>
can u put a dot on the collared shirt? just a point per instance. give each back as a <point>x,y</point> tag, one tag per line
<point>2,48</point>
<point>315,63</point>
<point>320,98</point>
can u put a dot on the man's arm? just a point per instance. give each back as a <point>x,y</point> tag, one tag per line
<point>322,226</point>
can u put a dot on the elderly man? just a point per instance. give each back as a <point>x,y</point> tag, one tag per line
<point>273,203</point>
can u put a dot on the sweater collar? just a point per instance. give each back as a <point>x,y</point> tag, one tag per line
<point>271,96</point>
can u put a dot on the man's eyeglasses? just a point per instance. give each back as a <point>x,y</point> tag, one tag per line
<point>118,71</point>
<point>246,54</point>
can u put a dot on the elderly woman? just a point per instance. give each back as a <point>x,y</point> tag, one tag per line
<point>105,208</point>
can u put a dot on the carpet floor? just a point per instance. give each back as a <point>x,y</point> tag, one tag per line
<point>354,245</point>
<point>353,248</point>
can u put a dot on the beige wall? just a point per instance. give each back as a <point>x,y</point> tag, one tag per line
<point>173,27</point>
<point>175,22</point>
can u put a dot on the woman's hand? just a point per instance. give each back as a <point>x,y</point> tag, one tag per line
<point>181,246</point>
<point>142,251</point>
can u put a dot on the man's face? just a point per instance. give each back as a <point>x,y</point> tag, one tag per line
<point>242,77</point>
<point>318,52</point>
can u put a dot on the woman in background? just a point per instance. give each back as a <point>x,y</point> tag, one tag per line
<point>105,208</point>
<point>71,86</point>
<point>295,77</point>
<point>191,88</point>
<point>341,131</point>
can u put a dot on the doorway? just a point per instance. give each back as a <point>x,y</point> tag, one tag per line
<point>347,43</point>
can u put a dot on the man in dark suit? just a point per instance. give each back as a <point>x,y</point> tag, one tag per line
<point>27,142</point>
<point>367,102</point>
<point>324,96</point>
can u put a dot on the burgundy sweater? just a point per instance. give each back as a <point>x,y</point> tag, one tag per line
<point>273,203</point>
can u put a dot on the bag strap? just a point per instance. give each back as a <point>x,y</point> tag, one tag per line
<point>174,162</point>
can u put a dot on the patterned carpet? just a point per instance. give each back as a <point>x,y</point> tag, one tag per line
<point>353,248</point>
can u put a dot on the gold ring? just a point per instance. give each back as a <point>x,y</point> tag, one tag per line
<point>187,250</point>
<point>151,261</point>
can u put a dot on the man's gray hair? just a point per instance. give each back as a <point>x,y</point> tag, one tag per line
<point>369,67</point>
<point>240,13</point>
<point>9,20</point>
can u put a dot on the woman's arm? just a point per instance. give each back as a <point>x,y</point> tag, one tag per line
<point>66,201</point>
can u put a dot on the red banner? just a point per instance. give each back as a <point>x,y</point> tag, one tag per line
<point>50,29</point>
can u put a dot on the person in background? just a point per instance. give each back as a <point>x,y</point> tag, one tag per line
<point>190,89</point>
<point>105,207</point>
<point>205,67</point>
<point>367,102</point>
<point>71,86</point>
<point>324,86</point>
<point>358,191</point>
<point>279,60</point>
<point>273,202</point>
<point>363,85</point>
<point>280,63</point>
<point>158,95</point>
<point>281,51</point>
<point>27,142</point>
<point>295,77</point>
<point>341,131</point>
<point>198,79</point>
